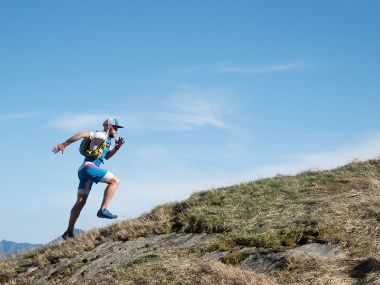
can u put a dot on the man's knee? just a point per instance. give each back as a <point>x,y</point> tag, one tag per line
<point>115,181</point>
<point>81,200</point>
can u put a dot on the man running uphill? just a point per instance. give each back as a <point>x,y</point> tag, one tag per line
<point>90,171</point>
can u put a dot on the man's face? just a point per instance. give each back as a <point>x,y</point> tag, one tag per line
<point>113,131</point>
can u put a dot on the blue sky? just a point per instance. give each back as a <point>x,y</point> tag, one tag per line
<point>212,93</point>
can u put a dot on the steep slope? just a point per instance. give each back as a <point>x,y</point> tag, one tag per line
<point>319,227</point>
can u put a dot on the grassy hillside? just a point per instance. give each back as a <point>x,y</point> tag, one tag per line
<point>340,206</point>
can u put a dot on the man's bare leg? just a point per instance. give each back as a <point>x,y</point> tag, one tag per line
<point>75,211</point>
<point>109,192</point>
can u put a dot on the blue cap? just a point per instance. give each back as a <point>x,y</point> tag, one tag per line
<point>112,122</point>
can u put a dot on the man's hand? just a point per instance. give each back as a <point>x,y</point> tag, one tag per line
<point>59,147</point>
<point>119,142</point>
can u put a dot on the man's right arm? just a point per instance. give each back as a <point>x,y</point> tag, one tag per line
<point>61,147</point>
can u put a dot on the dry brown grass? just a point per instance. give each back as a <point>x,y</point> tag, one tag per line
<point>169,268</point>
<point>213,272</point>
<point>308,270</point>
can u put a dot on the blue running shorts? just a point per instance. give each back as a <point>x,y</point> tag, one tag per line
<point>88,173</point>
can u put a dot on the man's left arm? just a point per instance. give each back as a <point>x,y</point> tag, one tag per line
<point>119,142</point>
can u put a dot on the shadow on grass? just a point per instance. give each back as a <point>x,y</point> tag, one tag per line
<point>364,268</point>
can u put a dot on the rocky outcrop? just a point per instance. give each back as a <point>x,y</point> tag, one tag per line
<point>125,253</point>
<point>268,263</point>
<point>87,264</point>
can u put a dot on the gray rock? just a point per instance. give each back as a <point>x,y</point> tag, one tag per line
<point>317,250</point>
<point>215,255</point>
<point>265,263</point>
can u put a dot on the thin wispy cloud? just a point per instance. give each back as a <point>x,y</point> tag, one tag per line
<point>194,110</point>
<point>186,111</point>
<point>367,148</point>
<point>191,120</point>
<point>19,116</point>
<point>217,69</point>
<point>267,69</point>
<point>181,112</point>
<point>77,122</point>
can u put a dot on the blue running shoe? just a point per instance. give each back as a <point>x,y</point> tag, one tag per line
<point>104,213</point>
